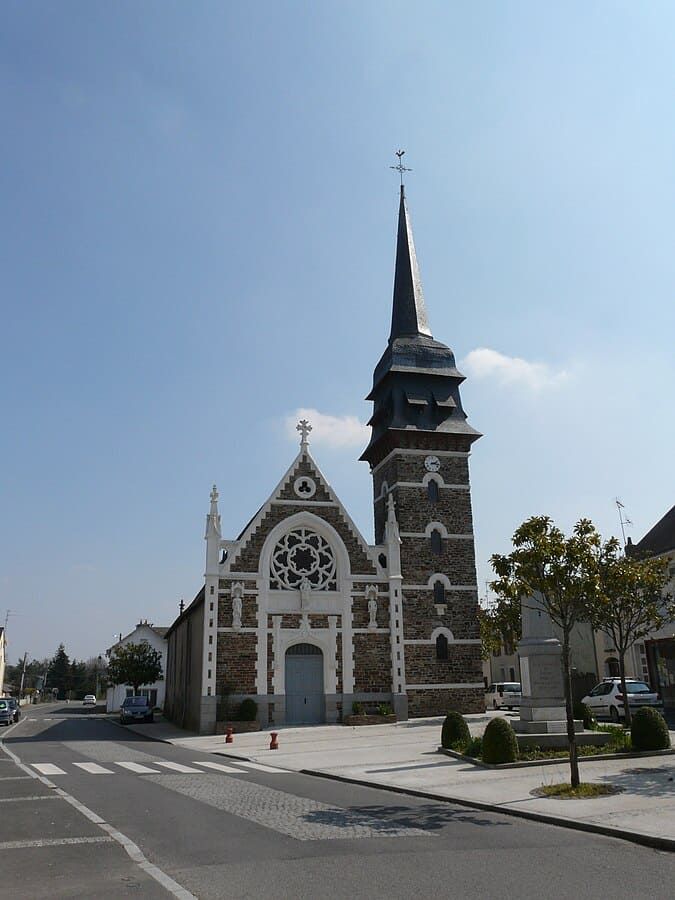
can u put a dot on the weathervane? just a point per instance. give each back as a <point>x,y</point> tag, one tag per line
<point>400,168</point>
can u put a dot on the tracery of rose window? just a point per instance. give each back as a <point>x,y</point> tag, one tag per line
<point>303,554</point>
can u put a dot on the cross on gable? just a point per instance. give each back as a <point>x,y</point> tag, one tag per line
<point>304,428</point>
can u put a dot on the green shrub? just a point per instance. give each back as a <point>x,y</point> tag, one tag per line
<point>455,732</point>
<point>384,709</point>
<point>474,748</point>
<point>584,712</point>
<point>248,710</point>
<point>357,709</point>
<point>648,730</point>
<point>499,742</point>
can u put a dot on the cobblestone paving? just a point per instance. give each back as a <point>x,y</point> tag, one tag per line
<point>298,817</point>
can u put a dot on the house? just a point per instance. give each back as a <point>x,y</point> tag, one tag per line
<point>156,637</point>
<point>304,615</point>
<point>3,658</point>
<point>656,654</point>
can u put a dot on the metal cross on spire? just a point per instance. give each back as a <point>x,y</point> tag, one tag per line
<point>304,428</point>
<point>400,168</point>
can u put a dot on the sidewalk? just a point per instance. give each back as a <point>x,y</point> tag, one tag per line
<point>404,757</point>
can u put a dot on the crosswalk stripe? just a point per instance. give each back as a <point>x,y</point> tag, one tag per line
<point>94,768</point>
<point>48,769</point>
<point>259,767</point>
<point>178,767</point>
<point>138,768</point>
<point>219,767</point>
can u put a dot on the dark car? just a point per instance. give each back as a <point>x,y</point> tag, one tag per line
<point>14,706</point>
<point>136,709</point>
<point>6,712</point>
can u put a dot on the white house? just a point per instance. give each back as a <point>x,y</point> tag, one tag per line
<point>154,636</point>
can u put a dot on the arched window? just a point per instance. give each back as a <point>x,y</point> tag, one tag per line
<point>441,647</point>
<point>439,592</point>
<point>436,544</point>
<point>432,491</point>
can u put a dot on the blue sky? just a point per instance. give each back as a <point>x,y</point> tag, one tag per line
<point>197,240</point>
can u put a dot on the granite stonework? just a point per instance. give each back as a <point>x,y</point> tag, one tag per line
<point>301,613</point>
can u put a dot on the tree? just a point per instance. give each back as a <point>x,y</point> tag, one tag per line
<point>630,602</point>
<point>59,675</point>
<point>499,626</point>
<point>563,572</point>
<point>135,665</point>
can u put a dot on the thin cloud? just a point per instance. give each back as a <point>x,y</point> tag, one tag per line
<point>512,370</point>
<point>327,430</point>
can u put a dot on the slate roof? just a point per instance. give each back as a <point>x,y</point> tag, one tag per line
<point>660,539</point>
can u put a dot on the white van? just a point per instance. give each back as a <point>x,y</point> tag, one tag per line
<point>503,694</point>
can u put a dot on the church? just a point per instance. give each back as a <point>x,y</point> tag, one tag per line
<point>302,614</point>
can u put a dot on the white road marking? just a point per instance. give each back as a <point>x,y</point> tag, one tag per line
<point>133,852</point>
<point>138,768</point>
<point>47,769</point>
<point>14,777</point>
<point>53,842</point>
<point>94,768</point>
<point>21,799</point>
<point>218,766</point>
<point>259,767</point>
<point>178,767</point>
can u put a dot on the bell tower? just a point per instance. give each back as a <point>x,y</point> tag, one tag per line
<point>419,456</point>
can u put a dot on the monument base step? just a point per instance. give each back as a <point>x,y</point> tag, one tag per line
<point>559,741</point>
<point>544,726</point>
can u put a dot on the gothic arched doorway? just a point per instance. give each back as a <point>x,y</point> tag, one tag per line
<point>304,685</point>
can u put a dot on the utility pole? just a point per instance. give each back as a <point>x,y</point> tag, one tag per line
<point>23,675</point>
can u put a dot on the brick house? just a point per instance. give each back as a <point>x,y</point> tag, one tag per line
<point>300,612</point>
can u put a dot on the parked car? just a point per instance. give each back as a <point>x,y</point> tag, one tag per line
<point>89,700</point>
<point>6,712</point>
<point>135,709</point>
<point>15,707</point>
<point>503,693</point>
<point>606,698</point>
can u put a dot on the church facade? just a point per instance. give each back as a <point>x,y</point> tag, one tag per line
<point>300,613</point>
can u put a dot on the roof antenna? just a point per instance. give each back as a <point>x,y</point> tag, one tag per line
<point>623,520</point>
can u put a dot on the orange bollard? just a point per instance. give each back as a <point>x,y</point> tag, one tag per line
<point>274,743</point>
<point>228,735</point>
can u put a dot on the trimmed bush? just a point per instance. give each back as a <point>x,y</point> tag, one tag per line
<point>584,712</point>
<point>455,731</point>
<point>248,710</point>
<point>648,730</point>
<point>499,742</point>
<point>357,709</point>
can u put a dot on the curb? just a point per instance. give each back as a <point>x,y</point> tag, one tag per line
<point>533,763</point>
<point>646,840</point>
<point>150,737</point>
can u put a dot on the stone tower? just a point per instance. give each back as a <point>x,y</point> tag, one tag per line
<point>419,455</point>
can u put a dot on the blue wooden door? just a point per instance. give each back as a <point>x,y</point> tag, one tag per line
<point>304,685</point>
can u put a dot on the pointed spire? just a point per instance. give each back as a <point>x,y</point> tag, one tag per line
<point>213,517</point>
<point>391,533</point>
<point>409,314</point>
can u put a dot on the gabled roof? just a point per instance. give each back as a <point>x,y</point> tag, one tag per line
<point>159,630</point>
<point>660,539</point>
<point>199,598</point>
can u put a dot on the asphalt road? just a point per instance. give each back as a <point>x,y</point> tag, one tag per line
<point>112,814</point>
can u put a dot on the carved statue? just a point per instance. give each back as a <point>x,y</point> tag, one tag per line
<point>372,612</point>
<point>236,610</point>
<point>305,593</point>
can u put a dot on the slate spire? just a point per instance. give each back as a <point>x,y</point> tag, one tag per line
<point>409,314</point>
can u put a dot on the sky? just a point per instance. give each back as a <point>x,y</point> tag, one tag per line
<point>197,237</point>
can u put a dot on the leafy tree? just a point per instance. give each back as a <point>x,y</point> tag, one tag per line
<point>499,625</point>
<point>60,674</point>
<point>630,603</point>
<point>563,573</point>
<point>135,665</point>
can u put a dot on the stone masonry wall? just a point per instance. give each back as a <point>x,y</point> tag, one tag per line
<point>236,659</point>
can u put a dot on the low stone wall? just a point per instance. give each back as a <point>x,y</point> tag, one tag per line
<point>237,727</point>
<point>370,720</point>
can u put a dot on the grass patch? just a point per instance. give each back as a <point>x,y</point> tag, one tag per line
<point>584,791</point>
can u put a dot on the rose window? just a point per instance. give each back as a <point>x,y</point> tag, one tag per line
<point>303,554</point>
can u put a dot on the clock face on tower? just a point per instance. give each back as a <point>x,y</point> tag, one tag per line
<point>432,464</point>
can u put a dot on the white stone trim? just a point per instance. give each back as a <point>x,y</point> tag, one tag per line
<point>430,527</point>
<point>439,576</point>
<point>448,634</point>
<point>410,452</point>
<point>370,630</point>
<point>443,687</point>
<point>430,587</point>
<point>433,476</point>
<point>420,485</point>
<point>228,629</point>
